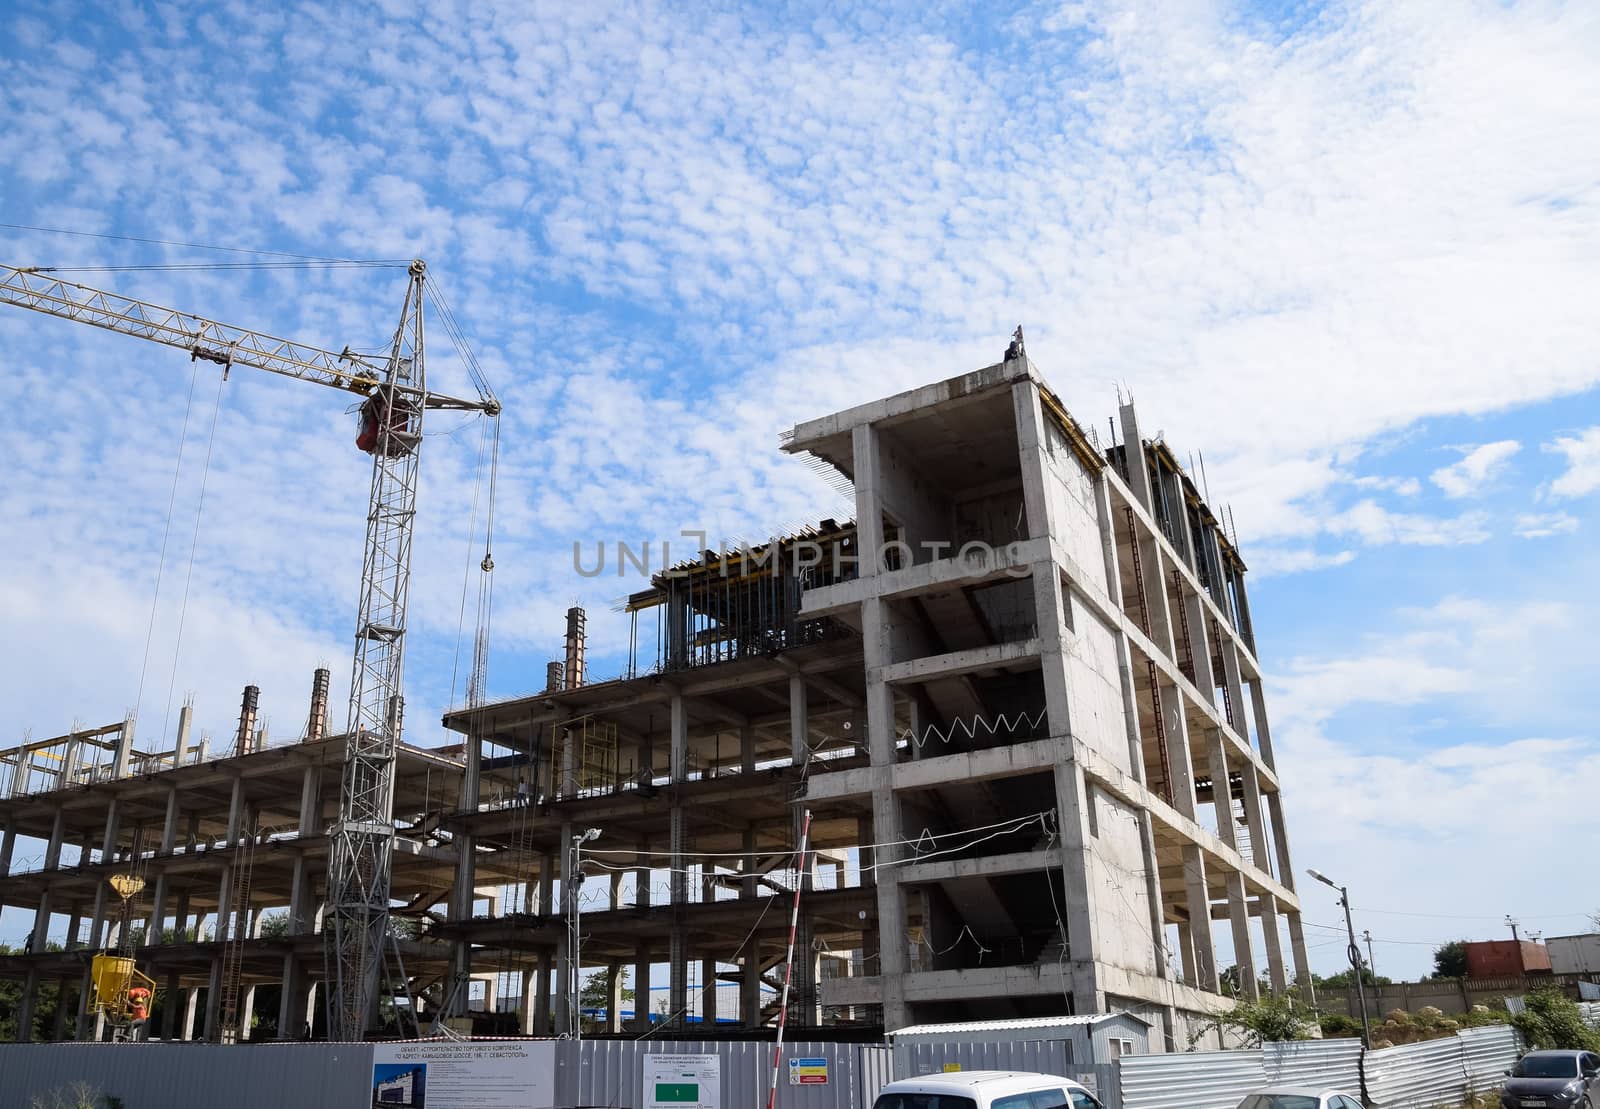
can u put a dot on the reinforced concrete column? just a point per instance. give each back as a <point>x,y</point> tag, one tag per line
<point>748,884</point>
<point>1302,963</point>
<point>247,1012</point>
<point>1258,709</point>
<point>213,1025</point>
<point>190,1011</point>
<point>1233,881</point>
<point>58,1026</point>
<point>614,984</point>
<point>169,1008</point>
<point>708,993</point>
<point>8,846</point>
<point>541,993</point>
<point>547,884</point>
<point>292,999</point>
<point>642,1000</point>
<point>1138,477</point>
<point>25,1007</point>
<point>750,984</point>
<point>1280,839</point>
<point>799,744</point>
<point>1273,939</point>
<point>526,1004</point>
<point>677,947</point>
<point>86,1015</point>
<point>747,749</point>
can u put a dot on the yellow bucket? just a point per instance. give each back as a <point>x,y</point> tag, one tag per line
<point>111,974</point>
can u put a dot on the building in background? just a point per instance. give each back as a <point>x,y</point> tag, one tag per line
<point>1502,958</point>
<point>1574,954</point>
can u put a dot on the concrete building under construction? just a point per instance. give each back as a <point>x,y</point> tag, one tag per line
<point>1018,696</point>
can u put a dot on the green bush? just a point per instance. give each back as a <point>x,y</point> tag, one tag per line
<point>1337,1024</point>
<point>1551,1020</point>
<point>1270,1019</point>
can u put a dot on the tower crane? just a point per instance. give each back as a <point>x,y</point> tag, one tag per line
<point>395,396</point>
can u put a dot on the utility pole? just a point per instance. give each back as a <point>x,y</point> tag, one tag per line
<point>1511,922</point>
<point>1353,951</point>
<point>1372,962</point>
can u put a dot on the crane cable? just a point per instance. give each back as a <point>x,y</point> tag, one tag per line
<point>166,531</point>
<point>194,542</point>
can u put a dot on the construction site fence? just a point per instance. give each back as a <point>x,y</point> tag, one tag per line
<point>611,1072</point>
<point>339,1076</point>
<point>1414,1076</point>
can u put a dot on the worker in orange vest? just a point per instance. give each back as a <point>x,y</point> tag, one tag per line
<point>139,1004</point>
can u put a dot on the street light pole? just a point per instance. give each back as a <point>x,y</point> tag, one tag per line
<point>1353,951</point>
<point>575,926</point>
<point>1511,922</point>
<point>1372,960</point>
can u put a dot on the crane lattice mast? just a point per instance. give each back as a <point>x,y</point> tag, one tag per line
<point>396,396</point>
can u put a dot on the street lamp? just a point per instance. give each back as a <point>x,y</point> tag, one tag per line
<point>1353,951</point>
<point>574,880</point>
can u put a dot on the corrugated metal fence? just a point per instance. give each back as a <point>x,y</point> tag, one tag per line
<point>1415,1076</point>
<point>177,1076</point>
<point>1193,1080</point>
<point>610,1073</point>
<point>1043,1056</point>
<point>269,1076</point>
<point>1331,1064</point>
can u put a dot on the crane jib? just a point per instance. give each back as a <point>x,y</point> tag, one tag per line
<point>225,345</point>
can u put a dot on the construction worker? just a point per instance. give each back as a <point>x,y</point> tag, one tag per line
<point>139,1004</point>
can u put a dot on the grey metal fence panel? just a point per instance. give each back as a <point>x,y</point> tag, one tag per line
<point>1415,1076</point>
<point>1329,1064</point>
<point>877,1071</point>
<point>1193,1080</point>
<point>1591,1012</point>
<point>611,1072</point>
<point>248,1076</point>
<point>1486,1055</point>
<point>931,1056</point>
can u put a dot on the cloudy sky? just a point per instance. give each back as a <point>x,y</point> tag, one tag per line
<point>1349,252</point>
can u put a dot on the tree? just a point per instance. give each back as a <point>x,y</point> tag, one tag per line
<point>1450,960</point>
<point>596,993</point>
<point>1346,979</point>
<point>1551,1020</point>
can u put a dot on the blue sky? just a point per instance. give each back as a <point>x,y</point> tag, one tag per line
<point>1347,251</point>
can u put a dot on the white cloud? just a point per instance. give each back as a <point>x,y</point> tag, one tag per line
<point>1380,787</point>
<point>1373,524</point>
<point>1403,486</point>
<point>1478,467</point>
<point>1545,524</point>
<point>1582,452</point>
<point>1270,561</point>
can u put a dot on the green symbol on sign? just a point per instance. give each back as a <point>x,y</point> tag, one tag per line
<point>686,1092</point>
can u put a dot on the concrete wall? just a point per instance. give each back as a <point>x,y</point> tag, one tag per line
<point>1449,995</point>
<point>1122,911</point>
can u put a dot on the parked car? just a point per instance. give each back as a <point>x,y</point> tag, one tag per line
<point>1553,1080</point>
<point>986,1089</point>
<point>1300,1097</point>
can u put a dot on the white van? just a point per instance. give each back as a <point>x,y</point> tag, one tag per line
<point>986,1089</point>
